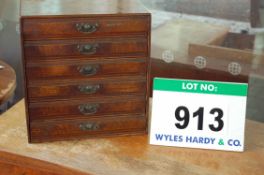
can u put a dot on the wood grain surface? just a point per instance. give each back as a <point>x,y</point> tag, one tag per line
<point>78,90</point>
<point>111,47</point>
<point>132,155</point>
<point>86,69</point>
<point>12,164</point>
<point>7,82</point>
<point>70,109</point>
<point>36,29</point>
<point>103,67</point>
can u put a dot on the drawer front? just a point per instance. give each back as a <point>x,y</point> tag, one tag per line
<point>86,90</point>
<point>35,29</point>
<point>61,129</point>
<point>87,48</point>
<point>86,70</point>
<point>83,109</point>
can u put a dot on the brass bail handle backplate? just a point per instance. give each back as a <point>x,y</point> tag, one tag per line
<point>87,27</point>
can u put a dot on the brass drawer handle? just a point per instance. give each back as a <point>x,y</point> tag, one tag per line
<point>89,89</point>
<point>87,28</point>
<point>88,70</point>
<point>89,126</point>
<point>88,109</point>
<point>88,49</point>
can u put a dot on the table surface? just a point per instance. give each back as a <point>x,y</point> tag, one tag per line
<point>7,82</point>
<point>132,154</point>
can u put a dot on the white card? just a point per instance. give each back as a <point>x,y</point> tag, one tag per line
<point>198,114</point>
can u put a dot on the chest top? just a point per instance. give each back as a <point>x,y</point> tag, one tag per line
<point>80,7</point>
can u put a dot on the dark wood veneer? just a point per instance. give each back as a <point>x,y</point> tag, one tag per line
<point>35,29</point>
<point>98,90</point>
<point>40,71</point>
<point>69,129</point>
<point>100,48</point>
<point>86,72</point>
<point>71,109</point>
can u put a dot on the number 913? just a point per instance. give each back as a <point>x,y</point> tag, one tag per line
<point>182,115</point>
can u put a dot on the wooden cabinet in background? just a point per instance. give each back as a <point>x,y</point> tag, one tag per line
<point>86,66</point>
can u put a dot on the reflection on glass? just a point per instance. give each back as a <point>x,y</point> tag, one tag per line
<point>10,51</point>
<point>211,40</point>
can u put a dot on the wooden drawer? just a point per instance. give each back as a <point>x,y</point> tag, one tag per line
<point>54,28</point>
<point>233,54</point>
<point>86,70</point>
<point>87,48</point>
<point>87,90</point>
<point>67,129</point>
<point>86,108</point>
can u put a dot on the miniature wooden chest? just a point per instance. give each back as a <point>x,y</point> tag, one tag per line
<point>86,66</point>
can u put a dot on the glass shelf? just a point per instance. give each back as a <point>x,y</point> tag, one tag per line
<point>210,40</point>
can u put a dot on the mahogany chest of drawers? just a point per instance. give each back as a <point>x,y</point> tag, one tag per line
<point>86,67</point>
